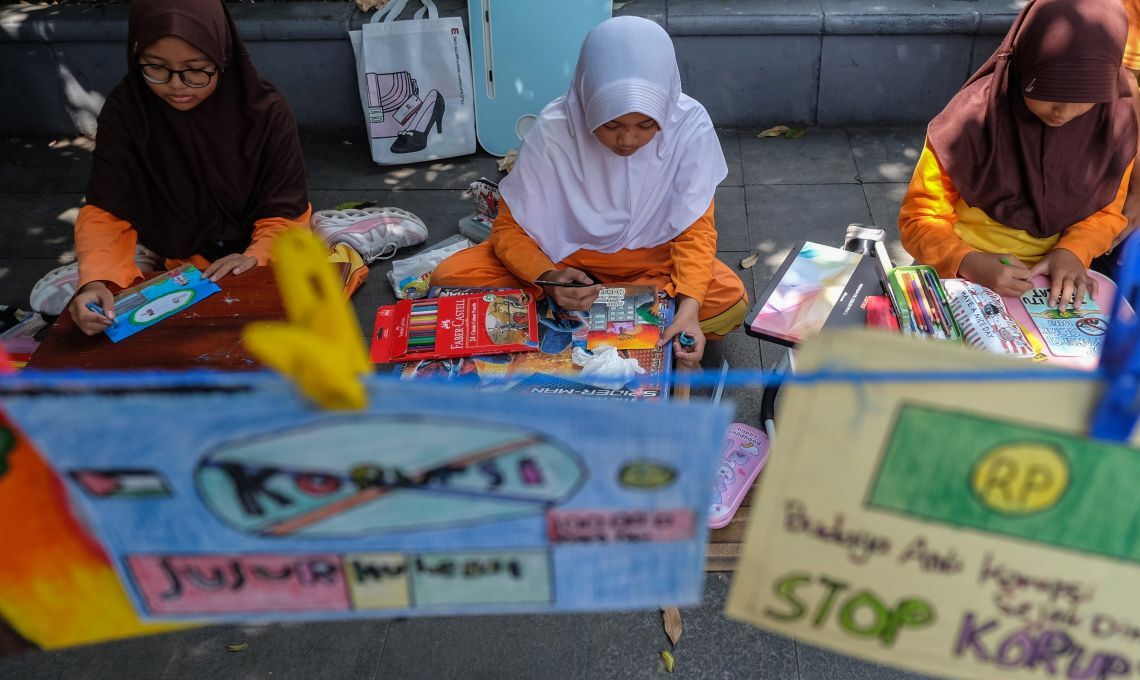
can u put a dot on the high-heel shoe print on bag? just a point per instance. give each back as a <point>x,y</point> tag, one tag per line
<point>414,137</point>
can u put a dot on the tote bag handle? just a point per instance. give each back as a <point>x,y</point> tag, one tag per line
<point>393,9</point>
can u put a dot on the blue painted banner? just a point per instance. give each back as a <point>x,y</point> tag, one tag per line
<point>228,497</point>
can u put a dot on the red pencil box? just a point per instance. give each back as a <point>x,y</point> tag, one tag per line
<point>459,326</point>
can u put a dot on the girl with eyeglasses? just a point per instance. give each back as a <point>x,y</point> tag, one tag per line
<point>197,158</point>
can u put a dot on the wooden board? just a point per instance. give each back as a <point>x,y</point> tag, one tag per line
<point>207,335</point>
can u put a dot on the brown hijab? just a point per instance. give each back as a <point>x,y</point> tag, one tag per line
<point>194,182</point>
<point>1007,162</point>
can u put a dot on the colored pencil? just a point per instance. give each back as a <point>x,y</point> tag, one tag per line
<point>902,309</point>
<point>422,320</point>
<point>906,302</point>
<point>914,298</point>
<point>932,317</point>
<point>943,304</point>
<point>931,304</point>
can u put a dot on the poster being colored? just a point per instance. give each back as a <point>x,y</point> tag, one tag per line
<point>961,529</point>
<point>139,307</point>
<point>225,497</point>
<point>1068,333</point>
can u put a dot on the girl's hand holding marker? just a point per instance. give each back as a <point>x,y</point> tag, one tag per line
<point>99,310</point>
<point>93,308</point>
<point>569,287</point>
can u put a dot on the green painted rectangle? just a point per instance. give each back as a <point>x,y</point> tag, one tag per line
<point>930,458</point>
<point>520,576</point>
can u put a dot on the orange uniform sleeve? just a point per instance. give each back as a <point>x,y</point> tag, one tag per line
<point>267,228</point>
<point>927,217</point>
<point>105,248</point>
<point>518,252</point>
<point>1093,236</point>
<point>694,252</point>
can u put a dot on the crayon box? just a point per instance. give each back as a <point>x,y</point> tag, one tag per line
<point>489,322</point>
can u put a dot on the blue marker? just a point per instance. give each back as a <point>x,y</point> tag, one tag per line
<point>99,310</point>
<point>686,340</point>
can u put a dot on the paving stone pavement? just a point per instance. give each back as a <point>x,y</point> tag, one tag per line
<point>777,192</point>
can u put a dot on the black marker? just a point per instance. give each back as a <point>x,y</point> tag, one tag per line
<point>563,284</point>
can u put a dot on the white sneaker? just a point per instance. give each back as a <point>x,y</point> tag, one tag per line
<point>54,291</point>
<point>375,233</point>
<point>148,260</point>
<point>51,294</point>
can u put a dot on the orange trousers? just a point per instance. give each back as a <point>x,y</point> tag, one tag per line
<point>723,309</point>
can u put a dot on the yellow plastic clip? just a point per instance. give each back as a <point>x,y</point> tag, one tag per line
<point>320,348</point>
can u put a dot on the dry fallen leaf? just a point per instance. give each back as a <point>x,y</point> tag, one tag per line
<point>750,261</point>
<point>795,133</point>
<point>774,131</point>
<point>237,647</point>
<point>507,163</point>
<point>670,662</point>
<point>366,5</point>
<point>672,618</point>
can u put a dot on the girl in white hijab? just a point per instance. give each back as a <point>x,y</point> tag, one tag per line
<point>615,183</point>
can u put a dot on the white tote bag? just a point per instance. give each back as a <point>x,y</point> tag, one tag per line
<point>415,85</point>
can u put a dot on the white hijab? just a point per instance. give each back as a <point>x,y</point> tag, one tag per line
<point>568,191</point>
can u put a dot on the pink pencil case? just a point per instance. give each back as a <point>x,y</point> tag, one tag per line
<point>743,455</point>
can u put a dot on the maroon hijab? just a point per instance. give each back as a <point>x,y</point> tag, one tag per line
<point>1003,159</point>
<point>194,182</point>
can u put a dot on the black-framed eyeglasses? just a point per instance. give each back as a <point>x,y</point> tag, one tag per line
<point>191,77</point>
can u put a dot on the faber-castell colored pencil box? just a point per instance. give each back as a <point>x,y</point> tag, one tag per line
<point>923,306</point>
<point>490,322</point>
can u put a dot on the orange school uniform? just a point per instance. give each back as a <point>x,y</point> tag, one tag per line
<point>939,228</point>
<point>686,265</point>
<point>105,245</point>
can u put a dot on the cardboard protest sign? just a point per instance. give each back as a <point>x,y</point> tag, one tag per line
<point>964,529</point>
<point>229,497</point>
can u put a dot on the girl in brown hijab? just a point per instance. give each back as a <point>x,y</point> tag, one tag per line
<point>197,158</point>
<point>1026,170</point>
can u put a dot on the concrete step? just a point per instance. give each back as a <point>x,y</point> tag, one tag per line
<point>751,62</point>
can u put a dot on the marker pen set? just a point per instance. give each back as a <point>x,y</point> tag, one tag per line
<point>923,307</point>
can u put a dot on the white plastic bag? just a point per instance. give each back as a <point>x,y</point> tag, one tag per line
<point>605,367</point>
<point>415,85</point>
<point>411,277</point>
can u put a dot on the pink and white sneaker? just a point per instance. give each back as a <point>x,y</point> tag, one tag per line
<point>51,294</point>
<point>375,233</point>
<point>54,291</point>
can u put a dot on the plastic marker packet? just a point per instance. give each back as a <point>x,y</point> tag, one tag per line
<point>146,304</point>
